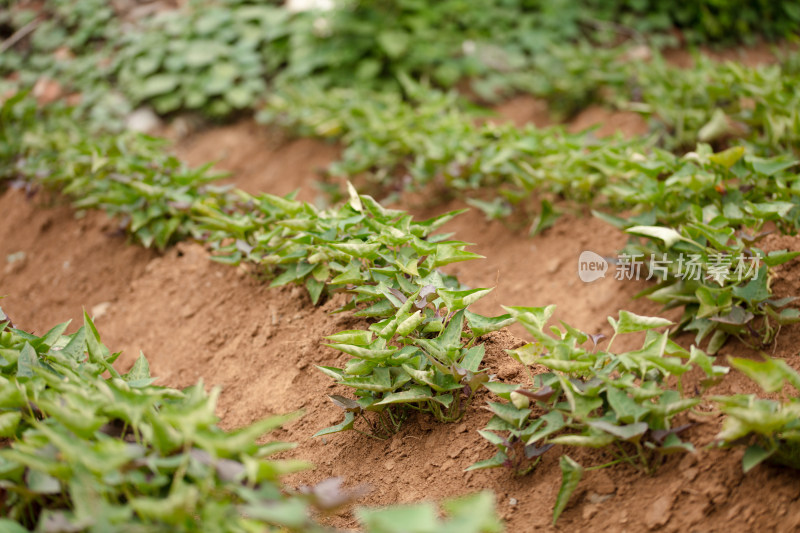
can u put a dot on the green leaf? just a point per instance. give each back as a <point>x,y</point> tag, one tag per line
<point>528,354</point>
<point>729,157</point>
<point>625,407</point>
<point>139,372</point>
<point>630,322</point>
<point>498,460</point>
<point>667,235</point>
<point>630,432</point>
<point>563,365</point>
<point>756,290</point>
<point>571,473</point>
<point>412,518</point>
<point>472,514</point>
<point>415,394</point>
<point>590,441</point>
<point>481,325</point>
<point>769,167</point>
<point>355,337</point>
<point>28,360</point>
<point>383,308</point>
<point>457,300</point>
<point>754,456</point>
<point>159,84</point>
<point>42,483</point>
<point>472,359</point>
<point>355,200</point>
<point>779,257</point>
<point>347,424</point>
<point>770,374</point>
<point>9,526</point>
<point>9,423</point>
<point>410,324</point>
<point>314,289</point>
<point>291,513</point>
<point>533,319</point>
<point>546,217</point>
<point>361,250</point>
<point>394,42</point>
<point>509,413</point>
<point>369,354</point>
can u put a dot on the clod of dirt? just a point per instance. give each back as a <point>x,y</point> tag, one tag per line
<point>47,91</point>
<point>100,310</point>
<point>659,512</point>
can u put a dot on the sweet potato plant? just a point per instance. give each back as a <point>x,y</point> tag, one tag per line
<point>769,428</point>
<point>422,357</point>
<point>626,403</point>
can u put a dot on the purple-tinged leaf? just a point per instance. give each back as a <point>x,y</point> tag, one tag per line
<point>329,494</point>
<point>597,337</point>
<point>543,394</point>
<point>399,295</point>
<point>427,290</point>
<point>658,435</point>
<point>243,246</point>
<point>737,316</point>
<point>345,403</point>
<point>531,450</point>
<point>180,206</point>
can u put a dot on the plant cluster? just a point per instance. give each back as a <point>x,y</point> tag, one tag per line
<point>425,134</point>
<point>361,246</point>
<point>728,293</point>
<point>722,21</point>
<point>218,56</point>
<point>88,452</point>
<point>769,428</point>
<point>715,102</point>
<point>591,397</point>
<point>68,46</point>
<point>129,176</point>
<point>214,58</point>
<point>428,137</point>
<point>421,356</point>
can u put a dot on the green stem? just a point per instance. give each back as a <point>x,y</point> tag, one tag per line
<point>611,341</point>
<point>376,437</point>
<point>606,465</point>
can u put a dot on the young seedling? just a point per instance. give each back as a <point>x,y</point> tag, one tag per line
<point>422,357</point>
<point>769,428</point>
<point>593,397</point>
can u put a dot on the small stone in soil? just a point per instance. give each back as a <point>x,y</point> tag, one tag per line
<point>659,512</point>
<point>100,310</point>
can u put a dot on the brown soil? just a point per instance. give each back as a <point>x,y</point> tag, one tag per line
<point>196,319</point>
<point>761,53</point>
<point>522,110</point>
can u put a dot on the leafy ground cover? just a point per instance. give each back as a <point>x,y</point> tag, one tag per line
<point>419,354</point>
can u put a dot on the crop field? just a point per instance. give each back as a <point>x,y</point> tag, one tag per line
<point>399,266</point>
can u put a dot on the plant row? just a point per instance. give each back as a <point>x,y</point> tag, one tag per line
<point>219,56</point>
